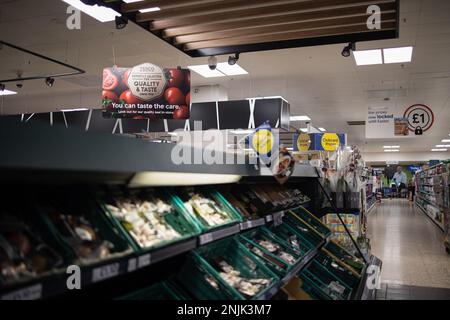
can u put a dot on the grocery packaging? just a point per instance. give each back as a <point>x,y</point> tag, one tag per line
<point>23,253</point>
<point>208,207</point>
<point>85,233</point>
<point>276,253</point>
<point>225,270</point>
<point>150,218</point>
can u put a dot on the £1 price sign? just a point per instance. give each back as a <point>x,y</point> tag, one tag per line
<point>420,117</point>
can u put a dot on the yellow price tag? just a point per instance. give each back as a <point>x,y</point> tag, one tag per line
<point>330,141</point>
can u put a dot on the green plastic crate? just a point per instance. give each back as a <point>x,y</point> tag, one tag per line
<point>181,196</point>
<point>278,265</point>
<point>81,203</point>
<point>294,238</point>
<point>318,279</point>
<point>179,220</point>
<point>200,266</point>
<point>345,257</point>
<point>303,228</point>
<point>339,269</point>
<point>165,290</point>
<point>314,222</point>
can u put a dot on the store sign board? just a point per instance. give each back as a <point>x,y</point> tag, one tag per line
<point>380,123</point>
<point>319,141</point>
<point>146,91</point>
<point>385,122</point>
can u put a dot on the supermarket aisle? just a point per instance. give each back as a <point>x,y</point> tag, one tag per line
<point>409,245</point>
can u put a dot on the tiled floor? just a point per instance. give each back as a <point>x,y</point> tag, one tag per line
<point>403,292</point>
<point>410,246</point>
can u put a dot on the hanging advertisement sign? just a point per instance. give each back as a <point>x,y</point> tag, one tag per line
<point>419,116</point>
<point>385,122</point>
<point>380,123</point>
<point>146,91</point>
<point>319,141</point>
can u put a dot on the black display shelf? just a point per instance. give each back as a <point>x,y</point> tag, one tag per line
<point>250,224</point>
<point>364,292</point>
<point>111,158</point>
<point>218,234</point>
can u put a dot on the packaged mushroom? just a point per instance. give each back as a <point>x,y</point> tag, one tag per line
<point>249,287</point>
<point>23,254</point>
<point>206,208</point>
<point>81,235</point>
<point>146,220</point>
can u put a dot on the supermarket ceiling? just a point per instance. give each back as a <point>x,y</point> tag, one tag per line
<point>316,80</point>
<point>213,27</point>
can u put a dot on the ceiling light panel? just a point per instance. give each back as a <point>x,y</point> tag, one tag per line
<point>300,118</point>
<point>368,57</point>
<point>234,70</point>
<point>7,93</point>
<point>438,150</point>
<point>99,13</point>
<point>205,71</point>
<point>398,55</point>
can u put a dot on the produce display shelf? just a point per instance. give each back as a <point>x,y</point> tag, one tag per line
<point>218,234</point>
<point>431,218</point>
<point>293,272</point>
<point>250,224</point>
<point>364,292</point>
<point>54,285</point>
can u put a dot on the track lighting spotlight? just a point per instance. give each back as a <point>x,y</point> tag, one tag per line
<point>121,22</point>
<point>346,52</point>
<point>232,60</point>
<point>50,81</point>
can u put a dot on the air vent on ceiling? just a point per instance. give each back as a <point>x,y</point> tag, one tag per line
<point>356,123</point>
<point>87,81</point>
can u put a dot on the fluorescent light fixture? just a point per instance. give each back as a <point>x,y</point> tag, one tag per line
<point>7,93</point>
<point>180,178</point>
<point>391,147</point>
<point>438,150</point>
<point>300,118</point>
<point>223,69</point>
<point>72,110</point>
<point>368,57</point>
<point>304,130</point>
<point>392,150</point>
<point>398,55</point>
<point>99,13</point>
<point>443,146</point>
<point>152,9</point>
<point>322,129</point>
<point>234,70</point>
<point>242,131</point>
<point>446,140</point>
<point>205,71</point>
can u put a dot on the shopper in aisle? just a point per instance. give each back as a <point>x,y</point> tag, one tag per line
<point>400,180</point>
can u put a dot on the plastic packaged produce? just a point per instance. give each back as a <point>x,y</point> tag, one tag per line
<point>81,235</point>
<point>145,220</point>
<point>207,209</point>
<point>23,253</point>
<point>249,287</point>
